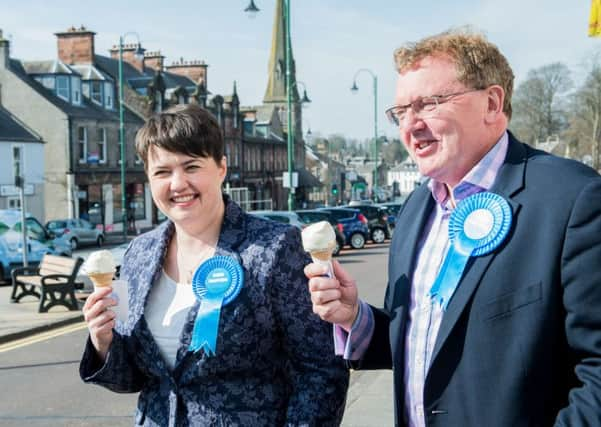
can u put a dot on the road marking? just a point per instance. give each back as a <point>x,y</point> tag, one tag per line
<point>42,337</point>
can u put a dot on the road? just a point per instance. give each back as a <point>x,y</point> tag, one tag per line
<point>41,385</point>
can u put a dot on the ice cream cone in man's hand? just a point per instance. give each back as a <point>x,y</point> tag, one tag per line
<point>319,240</point>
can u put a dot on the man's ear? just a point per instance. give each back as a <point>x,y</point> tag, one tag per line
<point>495,96</point>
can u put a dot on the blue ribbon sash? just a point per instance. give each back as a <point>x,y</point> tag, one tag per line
<point>216,283</point>
<point>477,226</point>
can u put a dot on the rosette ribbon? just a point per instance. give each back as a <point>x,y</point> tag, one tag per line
<point>477,226</point>
<point>216,283</point>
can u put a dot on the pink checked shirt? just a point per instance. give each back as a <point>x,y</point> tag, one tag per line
<point>424,315</point>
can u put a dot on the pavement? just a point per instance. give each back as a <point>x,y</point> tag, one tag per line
<point>369,401</point>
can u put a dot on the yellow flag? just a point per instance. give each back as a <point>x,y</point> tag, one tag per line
<point>594,21</point>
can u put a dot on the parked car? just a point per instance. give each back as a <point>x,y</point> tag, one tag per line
<point>354,224</point>
<point>39,242</point>
<point>310,216</point>
<point>377,221</point>
<point>393,210</point>
<point>76,231</point>
<point>286,217</point>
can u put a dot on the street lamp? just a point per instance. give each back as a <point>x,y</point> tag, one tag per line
<point>355,89</point>
<point>305,99</point>
<point>139,54</point>
<point>253,9</point>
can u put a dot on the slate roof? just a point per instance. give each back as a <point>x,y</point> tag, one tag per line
<point>12,130</point>
<point>88,109</point>
<point>137,79</point>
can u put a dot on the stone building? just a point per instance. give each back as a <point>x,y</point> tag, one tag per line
<point>24,151</point>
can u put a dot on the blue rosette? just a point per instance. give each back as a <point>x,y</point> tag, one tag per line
<point>477,226</point>
<point>216,283</point>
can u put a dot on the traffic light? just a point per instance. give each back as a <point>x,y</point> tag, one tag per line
<point>334,190</point>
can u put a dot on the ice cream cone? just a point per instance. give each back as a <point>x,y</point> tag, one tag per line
<point>323,255</point>
<point>101,279</point>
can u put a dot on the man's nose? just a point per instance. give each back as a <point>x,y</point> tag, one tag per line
<point>412,121</point>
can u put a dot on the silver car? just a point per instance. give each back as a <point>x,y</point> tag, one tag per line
<point>76,231</point>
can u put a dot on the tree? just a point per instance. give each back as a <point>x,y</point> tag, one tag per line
<point>539,103</point>
<point>393,152</point>
<point>584,133</point>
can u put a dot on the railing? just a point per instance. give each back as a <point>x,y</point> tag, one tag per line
<point>241,195</point>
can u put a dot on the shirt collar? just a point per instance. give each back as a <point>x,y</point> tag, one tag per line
<point>480,178</point>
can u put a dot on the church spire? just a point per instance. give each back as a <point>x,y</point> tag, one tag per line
<point>276,84</point>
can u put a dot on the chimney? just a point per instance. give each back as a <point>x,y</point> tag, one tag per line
<point>129,55</point>
<point>195,70</point>
<point>4,52</point>
<point>76,46</point>
<point>154,60</point>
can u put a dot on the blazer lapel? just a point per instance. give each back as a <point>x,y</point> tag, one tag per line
<point>413,218</point>
<point>509,181</point>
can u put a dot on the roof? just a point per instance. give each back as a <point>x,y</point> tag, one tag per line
<point>12,130</point>
<point>48,67</point>
<point>137,79</point>
<point>306,179</point>
<point>88,109</point>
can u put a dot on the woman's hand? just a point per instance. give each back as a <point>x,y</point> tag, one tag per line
<point>100,320</point>
<point>335,300</point>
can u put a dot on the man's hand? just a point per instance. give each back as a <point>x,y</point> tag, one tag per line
<point>100,320</point>
<point>335,300</point>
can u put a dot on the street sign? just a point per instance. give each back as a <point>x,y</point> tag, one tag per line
<point>286,180</point>
<point>11,190</point>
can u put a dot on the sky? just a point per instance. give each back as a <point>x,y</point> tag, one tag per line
<point>331,40</point>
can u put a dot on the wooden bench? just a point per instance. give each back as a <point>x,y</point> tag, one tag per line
<point>54,276</point>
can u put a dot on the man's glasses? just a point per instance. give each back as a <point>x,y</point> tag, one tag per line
<point>428,104</point>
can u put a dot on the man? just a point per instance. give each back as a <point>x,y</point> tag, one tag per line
<point>508,337</point>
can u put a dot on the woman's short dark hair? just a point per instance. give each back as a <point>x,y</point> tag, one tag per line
<point>187,129</point>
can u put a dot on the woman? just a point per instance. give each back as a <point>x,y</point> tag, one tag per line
<point>271,361</point>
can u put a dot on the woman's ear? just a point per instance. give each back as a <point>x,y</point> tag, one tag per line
<point>222,168</point>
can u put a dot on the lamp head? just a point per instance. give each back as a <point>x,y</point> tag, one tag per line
<point>305,99</point>
<point>354,88</point>
<point>252,9</point>
<point>139,53</point>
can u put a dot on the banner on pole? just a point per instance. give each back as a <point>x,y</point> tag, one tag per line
<point>594,22</point>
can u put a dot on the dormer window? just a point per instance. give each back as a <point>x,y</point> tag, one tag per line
<point>76,90</point>
<point>96,91</point>
<point>108,95</point>
<point>62,87</point>
<point>158,102</point>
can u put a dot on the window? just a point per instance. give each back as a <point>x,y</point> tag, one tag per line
<point>101,145</point>
<point>85,89</point>
<point>48,82</point>
<point>14,202</point>
<point>158,102</point>
<point>62,87</point>
<point>96,95</point>
<point>76,90</point>
<point>108,95</point>
<point>82,141</point>
<point>181,99</point>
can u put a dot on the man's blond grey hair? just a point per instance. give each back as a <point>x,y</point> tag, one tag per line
<point>478,62</point>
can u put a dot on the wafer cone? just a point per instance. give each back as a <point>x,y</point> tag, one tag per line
<point>101,279</point>
<point>323,255</point>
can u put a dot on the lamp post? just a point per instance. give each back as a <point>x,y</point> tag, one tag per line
<point>252,9</point>
<point>139,52</point>
<point>355,89</point>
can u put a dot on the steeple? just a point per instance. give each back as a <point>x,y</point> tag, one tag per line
<point>276,84</point>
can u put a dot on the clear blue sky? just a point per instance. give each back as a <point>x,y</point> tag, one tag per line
<point>332,39</point>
